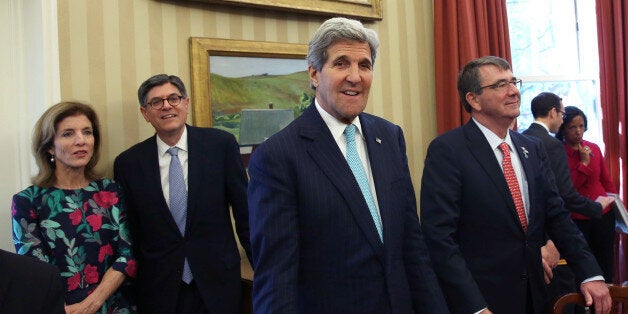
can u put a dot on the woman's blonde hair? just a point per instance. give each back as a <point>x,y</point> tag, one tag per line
<point>44,135</point>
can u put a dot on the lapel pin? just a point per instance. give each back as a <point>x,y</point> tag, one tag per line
<point>525,152</point>
<point>378,140</point>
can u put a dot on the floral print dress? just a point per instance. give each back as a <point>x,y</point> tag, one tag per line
<point>83,232</point>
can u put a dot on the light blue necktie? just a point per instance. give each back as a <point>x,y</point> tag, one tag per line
<point>355,163</point>
<point>178,201</point>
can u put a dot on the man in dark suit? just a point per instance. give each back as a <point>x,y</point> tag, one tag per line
<point>485,230</point>
<point>547,109</point>
<point>319,244</point>
<point>29,286</point>
<point>179,185</point>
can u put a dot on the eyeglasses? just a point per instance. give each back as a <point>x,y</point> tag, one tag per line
<point>502,85</point>
<point>562,112</point>
<point>158,103</point>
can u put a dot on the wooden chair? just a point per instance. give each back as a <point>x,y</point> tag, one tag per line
<point>619,295</point>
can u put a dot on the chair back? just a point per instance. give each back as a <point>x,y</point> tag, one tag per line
<point>619,295</point>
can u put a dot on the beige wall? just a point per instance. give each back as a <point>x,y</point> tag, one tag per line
<point>108,47</point>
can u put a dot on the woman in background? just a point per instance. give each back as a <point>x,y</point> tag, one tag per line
<point>72,218</point>
<point>590,177</point>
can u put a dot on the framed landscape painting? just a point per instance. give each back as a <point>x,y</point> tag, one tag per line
<point>248,88</point>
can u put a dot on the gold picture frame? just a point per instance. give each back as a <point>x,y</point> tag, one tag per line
<point>364,9</point>
<point>201,49</point>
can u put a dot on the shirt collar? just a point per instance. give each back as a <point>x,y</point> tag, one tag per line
<point>182,144</point>
<point>336,127</point>
<point>492,138</point>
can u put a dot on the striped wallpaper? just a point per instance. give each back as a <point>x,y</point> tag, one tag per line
<point>108,47</point>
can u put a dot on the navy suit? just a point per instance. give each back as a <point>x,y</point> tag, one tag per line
<point>482,256</point>
<point>29,286</point>
<point>216,179</point>
<point>315,246</point>
<point>558,161</point>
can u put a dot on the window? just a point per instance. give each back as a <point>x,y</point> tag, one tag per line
<point>554,49</point>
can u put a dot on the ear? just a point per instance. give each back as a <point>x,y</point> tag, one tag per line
<point>144,112</point>
<point>473,101</point>
<point>313,75</point>
<point>185,102</point>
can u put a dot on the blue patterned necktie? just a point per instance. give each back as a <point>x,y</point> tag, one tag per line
<point>355,163</point>
<point>178,201</point>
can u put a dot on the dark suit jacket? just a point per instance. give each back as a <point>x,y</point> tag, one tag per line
<point>481,254</point>
<point>315,246</point>
<point>216,179</point>
<point>29,286</point>
<point>558,161</point>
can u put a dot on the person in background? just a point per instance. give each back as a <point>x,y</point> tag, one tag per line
<point>180,184</point>
<point>488,200</point>
<point>73,218</point>
<point>590,177</point>
<point>334,224</point>
<point>547,109</point>
<point>29,286</point>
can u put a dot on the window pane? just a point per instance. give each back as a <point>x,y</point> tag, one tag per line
<point>554,49</point>
<point>543,37</point>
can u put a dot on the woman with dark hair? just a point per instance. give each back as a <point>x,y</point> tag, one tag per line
<point>72,218</point>
<point>590,177</point>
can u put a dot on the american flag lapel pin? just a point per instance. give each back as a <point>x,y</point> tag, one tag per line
<point>525,151</point>
<point>378,140</point>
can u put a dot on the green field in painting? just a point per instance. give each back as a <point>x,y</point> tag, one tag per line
<point>230,95</point>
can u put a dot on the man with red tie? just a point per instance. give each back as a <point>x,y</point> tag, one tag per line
<point>488,197</point>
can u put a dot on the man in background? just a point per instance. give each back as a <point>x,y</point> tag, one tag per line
<point>179,184</point>
<point>547,109</point>
<point>334,224</point>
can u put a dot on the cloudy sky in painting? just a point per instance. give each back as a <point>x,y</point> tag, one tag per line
<point>247,66</point>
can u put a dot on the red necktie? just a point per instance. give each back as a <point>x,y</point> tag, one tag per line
<point>513,185</point>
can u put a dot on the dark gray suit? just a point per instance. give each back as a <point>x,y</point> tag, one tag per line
<point>216,180</point>
<point>29,286</point>
<point>315,246</point>
<point>481,254</point>
<point>558,160</point>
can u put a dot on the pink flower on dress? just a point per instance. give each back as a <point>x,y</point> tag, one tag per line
<point>76,217</point>
<point>32,214</point>
<point>131,268</point>
<point>95,221</point>
<point>91,274</point>
<point>73,282</point>
<point>104,251</point>
<point>106,199</point>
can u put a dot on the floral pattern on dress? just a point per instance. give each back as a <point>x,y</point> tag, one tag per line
<point>83,232</point>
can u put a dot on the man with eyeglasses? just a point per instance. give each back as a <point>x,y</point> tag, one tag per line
<point>547,109</point>
<point>178,185</point>
<point>488,198</point>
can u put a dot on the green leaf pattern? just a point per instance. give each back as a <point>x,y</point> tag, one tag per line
<point>73,229</point>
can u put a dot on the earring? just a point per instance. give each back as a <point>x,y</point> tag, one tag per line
<point>52,158</point>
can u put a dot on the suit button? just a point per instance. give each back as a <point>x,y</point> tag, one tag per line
<point>523,276</point>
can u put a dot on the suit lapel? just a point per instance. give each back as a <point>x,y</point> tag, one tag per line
<point>326,154</point>
<point>195,172</point>
<point>378,159</point>
<point>486,158</point>
<point>523,151</point>
<point>149,169</point>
